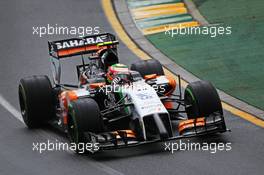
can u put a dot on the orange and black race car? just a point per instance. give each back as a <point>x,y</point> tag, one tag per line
<point>116,106</point>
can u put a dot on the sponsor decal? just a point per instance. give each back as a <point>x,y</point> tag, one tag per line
<point>81,42</point>
<point>144,96</point>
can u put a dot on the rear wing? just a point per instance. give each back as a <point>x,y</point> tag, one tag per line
<point>78,46</point>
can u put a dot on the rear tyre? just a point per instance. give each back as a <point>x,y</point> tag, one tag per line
<point>147,67</point>
<point>36,100</point>
<point>84,116</point>
<point>201,99</point>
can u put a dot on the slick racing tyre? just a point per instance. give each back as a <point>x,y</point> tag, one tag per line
<point>201,100</point>
<point>84,116</point>
<point>147,67</point>
<point>36,100</point>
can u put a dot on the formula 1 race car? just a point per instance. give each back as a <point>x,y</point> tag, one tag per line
<point>114,105</point>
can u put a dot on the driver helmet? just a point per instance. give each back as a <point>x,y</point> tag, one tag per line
<point>116,69</point>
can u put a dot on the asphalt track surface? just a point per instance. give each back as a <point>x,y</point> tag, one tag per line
<point>24,54</point>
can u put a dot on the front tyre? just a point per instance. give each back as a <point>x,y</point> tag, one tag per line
<point>36,100</point>
<point>201,100</point>
<point>84,117</point>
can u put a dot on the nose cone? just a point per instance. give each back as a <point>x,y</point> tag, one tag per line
<point>161,127</point>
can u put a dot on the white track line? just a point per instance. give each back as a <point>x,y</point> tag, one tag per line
<point>10,108</point>
<point>108,170</point>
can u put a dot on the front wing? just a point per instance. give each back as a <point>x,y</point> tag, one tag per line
<point>186,129</point>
